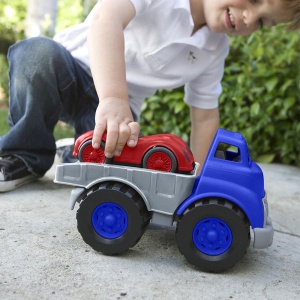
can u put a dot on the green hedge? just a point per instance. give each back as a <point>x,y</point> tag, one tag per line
<point>261,97</point>
<point>262,94</point>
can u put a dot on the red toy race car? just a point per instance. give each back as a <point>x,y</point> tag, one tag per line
<point>161,152</point>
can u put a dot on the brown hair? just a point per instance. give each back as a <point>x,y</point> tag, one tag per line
<point>292,13</point>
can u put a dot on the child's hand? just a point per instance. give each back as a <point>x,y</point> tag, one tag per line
<point>114,116</point>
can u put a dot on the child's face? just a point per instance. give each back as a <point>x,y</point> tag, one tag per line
<point>241,17</point>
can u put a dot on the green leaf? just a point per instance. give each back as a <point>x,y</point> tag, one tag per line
<point>286,85</point>
<point>179,107</point>
<point>270,84</point>
<point>255,107</point>
<point>289,102</point>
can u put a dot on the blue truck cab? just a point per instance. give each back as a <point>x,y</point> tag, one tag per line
<point>231,174</point>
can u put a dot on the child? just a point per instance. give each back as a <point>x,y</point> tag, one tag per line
<point>82,77</point>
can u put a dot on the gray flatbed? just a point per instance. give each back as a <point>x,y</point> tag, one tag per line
<point>162,192</point>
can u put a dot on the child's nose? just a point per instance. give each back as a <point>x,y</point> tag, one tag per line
<point>251,18</point>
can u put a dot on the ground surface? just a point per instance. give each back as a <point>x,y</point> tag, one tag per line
<point>44,257</point>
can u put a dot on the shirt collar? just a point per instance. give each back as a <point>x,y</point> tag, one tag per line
<point>183,4</point>
<point>204,37</point>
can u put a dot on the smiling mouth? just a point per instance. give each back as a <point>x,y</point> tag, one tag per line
<point>231,18</point>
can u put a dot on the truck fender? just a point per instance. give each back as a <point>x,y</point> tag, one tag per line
<point>255,222</point>
<point>76,195</point>
<point>78,192</point>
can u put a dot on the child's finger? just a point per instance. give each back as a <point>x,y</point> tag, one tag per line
<point>98,132</point>
<point>111,139</point>
<point>135,130</point>
<point>124,134</point>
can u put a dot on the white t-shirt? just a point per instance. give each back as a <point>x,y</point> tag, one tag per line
<point>161,53</point>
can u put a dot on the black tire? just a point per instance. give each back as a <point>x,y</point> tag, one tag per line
<point>105,238</point>
<point>213,234</point>
<point>86,149</point>
<point>171,165</point>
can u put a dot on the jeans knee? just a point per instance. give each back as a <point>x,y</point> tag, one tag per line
<point>32,55</point>
<point>28,48</point>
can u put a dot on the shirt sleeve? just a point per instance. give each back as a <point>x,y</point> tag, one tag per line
<point>204,91</point>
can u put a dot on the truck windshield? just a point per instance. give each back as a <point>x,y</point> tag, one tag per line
<point>228,152</point>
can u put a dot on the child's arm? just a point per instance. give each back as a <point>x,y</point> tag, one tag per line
<point>106,53</point>
<point>205,123</point>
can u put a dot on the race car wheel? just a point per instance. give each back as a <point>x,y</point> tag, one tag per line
<point>213,234</point>
<point>112,218</point>
<point>160,159</point>
<point>88,154</point>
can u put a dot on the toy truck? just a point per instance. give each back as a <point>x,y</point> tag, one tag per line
<point>212,212</point>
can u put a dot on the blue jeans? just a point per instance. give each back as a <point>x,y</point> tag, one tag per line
<point>46,85</point>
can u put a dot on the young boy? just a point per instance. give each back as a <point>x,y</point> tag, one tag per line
<point>96,75</point>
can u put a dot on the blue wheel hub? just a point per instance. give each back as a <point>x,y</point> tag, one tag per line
<point>109,220</point>
<point>212,236</point>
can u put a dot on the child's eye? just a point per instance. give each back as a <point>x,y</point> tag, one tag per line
<point>255,2</point>
<point>260,21</point>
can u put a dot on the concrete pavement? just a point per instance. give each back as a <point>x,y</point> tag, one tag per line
<point>43,256</point>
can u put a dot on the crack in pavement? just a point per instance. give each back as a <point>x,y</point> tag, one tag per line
<point>288,233</point>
